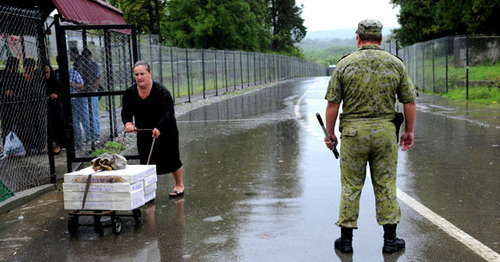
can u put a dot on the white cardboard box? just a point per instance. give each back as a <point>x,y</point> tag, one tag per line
<point>103,196</point>
<point>150,196</point>
<point>104,187</point>
<point>150,180</point>
<point>105,205</point>
<point>110,190</point>
<point>129,174</point>
<point>150,188</point>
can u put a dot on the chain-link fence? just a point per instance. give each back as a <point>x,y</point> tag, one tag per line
<point>102,62</point>
<point>459,62</point>
<point>188,72</point>
<point>24,160</point>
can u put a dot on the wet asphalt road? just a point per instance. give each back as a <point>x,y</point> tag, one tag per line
<point>261,186</point>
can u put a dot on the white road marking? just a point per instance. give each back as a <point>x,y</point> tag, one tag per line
<point>477,247</point>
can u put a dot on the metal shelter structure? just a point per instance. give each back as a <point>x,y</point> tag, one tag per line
<point>92,114</point>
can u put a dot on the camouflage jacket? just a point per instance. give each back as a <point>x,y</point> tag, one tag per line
<point>367,82</point>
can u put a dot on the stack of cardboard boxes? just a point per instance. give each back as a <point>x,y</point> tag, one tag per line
<point>124,189</point>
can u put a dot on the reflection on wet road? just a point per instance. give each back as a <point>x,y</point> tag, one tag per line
<point>261,185</point>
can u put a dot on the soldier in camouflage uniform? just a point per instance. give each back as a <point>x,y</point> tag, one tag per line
<point>367,82</point>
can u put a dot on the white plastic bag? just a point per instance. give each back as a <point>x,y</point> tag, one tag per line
<point>13,146</point>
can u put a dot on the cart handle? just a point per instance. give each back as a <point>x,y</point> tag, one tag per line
<point>152,145</point>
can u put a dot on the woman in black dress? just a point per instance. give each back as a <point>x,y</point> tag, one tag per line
<point>151,106</point>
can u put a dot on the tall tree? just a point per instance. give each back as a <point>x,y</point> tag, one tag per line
<point>416,18</point>
<point>145,14</point>
<point>250,25</point>
<point>287,25</point>
<point>214,24</point>
<point>423,20</point>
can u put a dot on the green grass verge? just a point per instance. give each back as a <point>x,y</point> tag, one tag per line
<point>478,95</point>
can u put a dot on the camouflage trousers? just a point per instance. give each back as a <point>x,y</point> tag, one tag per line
<point>372,142</point>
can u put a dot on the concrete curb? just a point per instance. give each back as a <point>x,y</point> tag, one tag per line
<point>23,197</point>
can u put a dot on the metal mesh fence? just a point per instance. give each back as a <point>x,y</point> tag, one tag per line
<point>192,72</point>
<point>103,60</point>
<point>23,101</point>
<point>459,62</point>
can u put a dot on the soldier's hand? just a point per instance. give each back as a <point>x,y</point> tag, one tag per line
<point>407,140</point>
<point>330,144</point>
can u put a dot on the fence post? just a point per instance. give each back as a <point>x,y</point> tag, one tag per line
<point>203,70</point>
<point>161,63</point>
<point>139,48</point>
<point>260,68</point>
<point>241,71</point>
<point>225,71</point>
<point>172,71</point>
<point>254,69</point>
<point>234,70</point>
<point>43,57</point>
<point>467,65</point>
<point>446,61</point>
<point>150,51</point>
<point>248,69</point>
<point>433,71</point>
<point>278,71</point>
<point>187,75</point>
<point>215,64</point>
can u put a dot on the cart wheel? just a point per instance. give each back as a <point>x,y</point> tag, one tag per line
<point>98,228</point>
<point>137,214</point>
<point>116,225</point>
<point>73,225</point>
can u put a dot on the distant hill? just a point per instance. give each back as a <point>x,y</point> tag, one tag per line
<point>327,47</point>
<point>339,33</point>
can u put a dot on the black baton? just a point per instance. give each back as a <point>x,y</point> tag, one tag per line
<point>334,149</point>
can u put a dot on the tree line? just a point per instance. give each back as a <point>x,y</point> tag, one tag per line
<point>423,20</point>
<point>248,25</point>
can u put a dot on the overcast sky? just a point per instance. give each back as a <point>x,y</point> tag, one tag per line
<point>341,14</point>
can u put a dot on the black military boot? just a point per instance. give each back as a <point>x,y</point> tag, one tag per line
<point>391,242</point>
<point>344,242</point>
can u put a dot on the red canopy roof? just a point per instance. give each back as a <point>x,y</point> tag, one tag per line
<point>89,12</point>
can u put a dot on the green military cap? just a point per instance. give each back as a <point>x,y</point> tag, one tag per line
<point>369,27</point>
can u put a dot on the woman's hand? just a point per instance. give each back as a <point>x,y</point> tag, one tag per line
<point>54,96</point>
<point>156,133</point>
<point>129,127</point>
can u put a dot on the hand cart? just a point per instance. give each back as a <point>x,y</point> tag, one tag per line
<point>116,222</point>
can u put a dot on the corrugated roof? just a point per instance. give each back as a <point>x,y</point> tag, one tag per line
<point>89,12</point>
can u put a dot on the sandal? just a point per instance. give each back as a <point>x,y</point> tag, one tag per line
<point>176,194</point>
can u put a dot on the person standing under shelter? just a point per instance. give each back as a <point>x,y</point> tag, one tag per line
<point>54,90</point>
<point>32,108</point>
<point>79,105</point>
<point>91,75</point>
<point>10,81</point>
<point>367,82</point>
<point>150,104</point>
